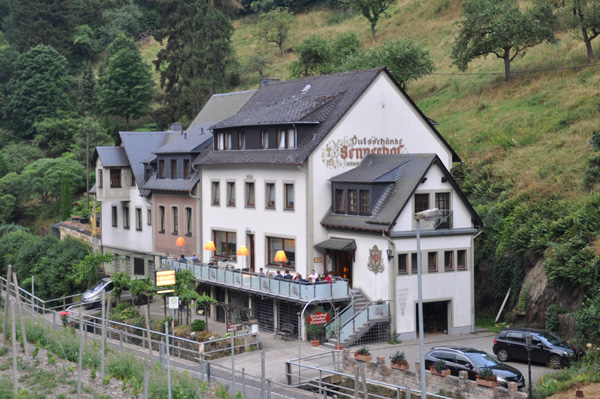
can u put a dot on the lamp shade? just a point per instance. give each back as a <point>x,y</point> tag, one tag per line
<point>243,251</point>
<point>210,246</point>
<point>180,242</point>
<point>280,256</point>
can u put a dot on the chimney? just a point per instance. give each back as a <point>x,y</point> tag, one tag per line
<point>177,127</point>
<point>267,81</point>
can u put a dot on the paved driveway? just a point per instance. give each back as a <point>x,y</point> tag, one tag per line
<point>482,340</point>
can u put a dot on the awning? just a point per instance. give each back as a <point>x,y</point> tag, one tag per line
<point>337,244</point>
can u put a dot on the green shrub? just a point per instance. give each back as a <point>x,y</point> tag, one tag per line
<point>552,314</point>
<point>198,325</point>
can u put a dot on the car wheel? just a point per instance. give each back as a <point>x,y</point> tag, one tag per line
<point>554,362</point>
<point>503,355</point>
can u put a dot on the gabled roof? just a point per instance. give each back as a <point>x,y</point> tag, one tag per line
<point>217,108</point>
<point>402,173</point>
<point>318,102</point>
<point>138,147</point>
<point>112,157</point>
<point>154,183</point>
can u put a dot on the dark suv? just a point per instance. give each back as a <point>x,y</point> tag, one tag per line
<point>546,347</point>
<point>473,361</point>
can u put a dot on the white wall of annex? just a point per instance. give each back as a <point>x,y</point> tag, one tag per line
<point>130,239</point>
<point>261,221</point>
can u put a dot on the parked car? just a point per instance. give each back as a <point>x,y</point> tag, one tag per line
<point>547,348</point>
<point>93,297</point>
<point>472,361</point>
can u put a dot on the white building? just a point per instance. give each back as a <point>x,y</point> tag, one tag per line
<point>285,173</point>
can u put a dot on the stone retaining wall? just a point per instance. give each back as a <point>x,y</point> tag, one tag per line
<point>460,385</point>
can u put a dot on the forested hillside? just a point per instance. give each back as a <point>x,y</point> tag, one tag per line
<point>530,156</point>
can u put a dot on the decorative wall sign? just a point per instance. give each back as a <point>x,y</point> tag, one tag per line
<point>375,264</point>
<point>348,151</point>
<point>318,317</point>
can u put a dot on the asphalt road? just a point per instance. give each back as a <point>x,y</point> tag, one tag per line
<point>481,340</point>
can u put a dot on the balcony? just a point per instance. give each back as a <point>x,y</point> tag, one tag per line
<point>115,188</point>
<point>250,282</point>
<point>445,222</point>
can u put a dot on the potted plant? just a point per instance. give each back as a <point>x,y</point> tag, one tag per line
<point>440,368</point>
<point>398,361</point>
<point>363,355</point>
<point>486,378</point>
<point>314,333</point>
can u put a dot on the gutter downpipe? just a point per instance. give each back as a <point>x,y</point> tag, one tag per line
<point>473,279</point>
<point>198,217</point>
<point>392,284</point>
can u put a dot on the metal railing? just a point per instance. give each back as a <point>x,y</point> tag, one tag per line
<point>248,281</point>
<point>350,321</point>
<point>321,373</point>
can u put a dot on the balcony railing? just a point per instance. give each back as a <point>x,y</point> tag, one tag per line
<point>248,281</point>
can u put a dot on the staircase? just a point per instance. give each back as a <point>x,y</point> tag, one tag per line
<point>357,319</point>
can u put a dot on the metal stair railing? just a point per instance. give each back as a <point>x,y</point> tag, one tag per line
<point>374,310</point>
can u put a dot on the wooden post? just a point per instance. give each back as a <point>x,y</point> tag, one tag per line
<point>18,296</point>
<point>13,332</point>
<point>64,304</point>
<point>109,305</point>
<point>6,305</point>
<point>103,343</point>
<point>80,368</point>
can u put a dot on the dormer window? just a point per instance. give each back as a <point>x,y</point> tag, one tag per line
<point>339,201</point>
<point>286,138</point>
<point>241,140</point>
<point>264,139</point>
<point>352,202</point>
<point>161,169</point>
<point>115,178</point>
<point>173,169</point>
<point>228,141</point>
<point>220,141</point>
<point>365,208</point>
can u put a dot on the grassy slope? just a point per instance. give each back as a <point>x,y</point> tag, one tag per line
<point>534,132</point>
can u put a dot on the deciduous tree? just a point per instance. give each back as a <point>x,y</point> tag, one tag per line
<point>503,28</point>
<point>66,200</point>
<point>585,17</point>
<point>274,26</point>
<point>315,57</point>
<point>372,10</point>
<point>45,175</point>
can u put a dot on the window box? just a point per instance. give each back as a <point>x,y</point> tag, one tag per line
<point>363,358</point>
<point>486,383</point>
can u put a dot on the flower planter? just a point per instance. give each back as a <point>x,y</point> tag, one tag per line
<point>402,367</point>
<point>363,358</point>
<point>442,373</point>
<point>315,343</point>
<point>338,347</point>
<point>487,383</point>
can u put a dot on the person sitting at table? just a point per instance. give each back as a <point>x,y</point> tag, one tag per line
<point>182,258</point>
<point>287,275</point>
<point>194,258</point>
<point>278,275</point>
<point>327,278</point>
<point>314,275</point>
<point>297,277</point>
<point>262,272</point>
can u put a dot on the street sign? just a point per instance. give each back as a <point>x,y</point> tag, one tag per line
<point>165,277</point>
<point>173,302</point>
<point>234,327</point>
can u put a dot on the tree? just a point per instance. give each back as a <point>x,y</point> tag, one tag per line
<point>20,154</point>
<point>126,20</point>
<point>274,26</point>
<point>54,136</point>
<point>45,175</point>
<point>90,130</point>
<point>405,60</point>
<point>86,87</point>
<point>14,191</point>
<point>586,17</point>
<point>3,167</point>
<point>258,62</point>
<point>194,63</point>
<point>501,28</point>
<point>315,57</point>
<point>86,272</point>
<point>39,89</point>
<point>121,281</point>
<point>372,10</point>
<point>126,87</point>
<point>66,200</point>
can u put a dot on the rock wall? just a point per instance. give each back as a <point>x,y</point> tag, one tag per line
<point>460,385</point>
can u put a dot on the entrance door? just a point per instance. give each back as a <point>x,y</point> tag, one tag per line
<point>339,263</point>
<point>435,317</point>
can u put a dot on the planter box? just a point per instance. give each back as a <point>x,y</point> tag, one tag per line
<point>442,373</point>
<point>315,343</point>
<point>363,358</point>
<point>486,383</point>
<point>400,366</point>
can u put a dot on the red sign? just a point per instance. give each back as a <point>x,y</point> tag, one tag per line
<point>318,318</point>
<point>234,327</point>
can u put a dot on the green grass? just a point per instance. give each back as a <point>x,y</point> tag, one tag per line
<point>487,321</point>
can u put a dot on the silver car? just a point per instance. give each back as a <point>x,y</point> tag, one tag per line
<point>93,297</point>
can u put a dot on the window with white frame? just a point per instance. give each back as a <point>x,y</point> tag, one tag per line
<point>250,201</point>
<point>225,244</point>
<point>286,138</point>
<point>115,177</point>
<point>188,221</point>
<point>215,193</point>
<point>230,193</point>
<point>115,217</point>
<point>138,219</point>
<point>275,244</point>
<point>289,196</point>
<point>161,219</point>
<point>270,195</point>
<point>125,217</point>
<point>175,220</point>
<point>421,202</point>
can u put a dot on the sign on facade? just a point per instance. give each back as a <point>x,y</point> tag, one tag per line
<point>349,151</point>
<point>165,277</point>
<point>318,318</point>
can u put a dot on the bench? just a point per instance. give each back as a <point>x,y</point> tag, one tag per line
<point>286,331</point>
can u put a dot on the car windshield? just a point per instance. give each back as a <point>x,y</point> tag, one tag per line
<point>98,286</point>
<point>550,338</point>
<point>483,360</point>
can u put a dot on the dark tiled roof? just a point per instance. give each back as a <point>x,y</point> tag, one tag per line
<point>217,108</point>
<point>139,146</point>
<point>185,143</point>
<point>112,157</point>
<point>171,184</point>
<point>93,190</point>
<point>319,100</point>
